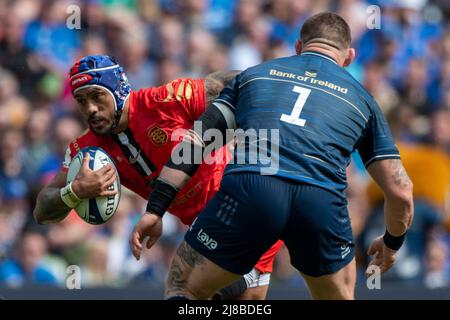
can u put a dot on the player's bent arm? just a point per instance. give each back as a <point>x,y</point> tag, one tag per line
<point>216,81</point>
<point>175,175</point>
<point>55,201</point>
<point>49,206</point>
<point>392,178</point>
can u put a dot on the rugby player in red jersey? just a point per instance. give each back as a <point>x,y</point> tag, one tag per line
<point>139,129</point>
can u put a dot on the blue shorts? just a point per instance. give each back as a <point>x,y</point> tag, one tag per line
<point>250,212</point>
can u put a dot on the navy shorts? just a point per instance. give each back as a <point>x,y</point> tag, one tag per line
<point>250,212</point>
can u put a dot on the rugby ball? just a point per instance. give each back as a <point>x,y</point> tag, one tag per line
<point>100,209</point>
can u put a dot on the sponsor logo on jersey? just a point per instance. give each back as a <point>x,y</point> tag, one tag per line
<point>188,194</point>
<point>204,238</point>
<point>309,77</point>
<point>158,136</point>
<point>345,250</point>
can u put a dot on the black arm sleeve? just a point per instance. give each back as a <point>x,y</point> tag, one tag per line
<point>188,154</point>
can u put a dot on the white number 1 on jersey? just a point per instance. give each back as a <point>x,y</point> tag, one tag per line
<point>294,117</point>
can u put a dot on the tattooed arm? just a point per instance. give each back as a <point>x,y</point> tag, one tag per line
<point>49,206</point>
<point>392,178</point>
<point>398,212</point>
<point>216,81</point>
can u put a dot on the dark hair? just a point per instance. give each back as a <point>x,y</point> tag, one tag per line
<point>328,28</point>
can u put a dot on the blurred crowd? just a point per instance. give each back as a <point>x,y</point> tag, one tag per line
<point>403,59</point>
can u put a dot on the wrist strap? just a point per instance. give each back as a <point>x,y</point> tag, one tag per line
<point>393,242</point>
<point>161,197</point>
<point>69,197</point>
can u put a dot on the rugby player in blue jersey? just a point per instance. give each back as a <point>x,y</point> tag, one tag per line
<point>321,115</point>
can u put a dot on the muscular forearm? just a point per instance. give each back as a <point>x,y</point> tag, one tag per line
<point>216,81</point>
<point>49,206</point>
<point>398,206</point>
<point>175,177</point>
<point>398,214</point>
<point>177,173</point>
<point>391,176</point>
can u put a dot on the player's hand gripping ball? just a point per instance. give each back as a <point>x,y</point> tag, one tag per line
<point>100,209</point>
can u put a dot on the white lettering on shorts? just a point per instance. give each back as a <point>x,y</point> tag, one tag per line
<point>209,242</point>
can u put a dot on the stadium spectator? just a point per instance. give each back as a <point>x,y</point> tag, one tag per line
<point>436,258</point>
<point>26,269</point>
<point>34,56</point>
<point>38,148</point>
<point>14,108</point>
<point>440,130</point>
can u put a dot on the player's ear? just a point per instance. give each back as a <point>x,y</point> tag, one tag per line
<point>350,56</point>
<point>298,46</point>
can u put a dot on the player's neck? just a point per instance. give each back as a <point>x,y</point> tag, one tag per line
<point>326,50</point>
<point>124,118</point>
